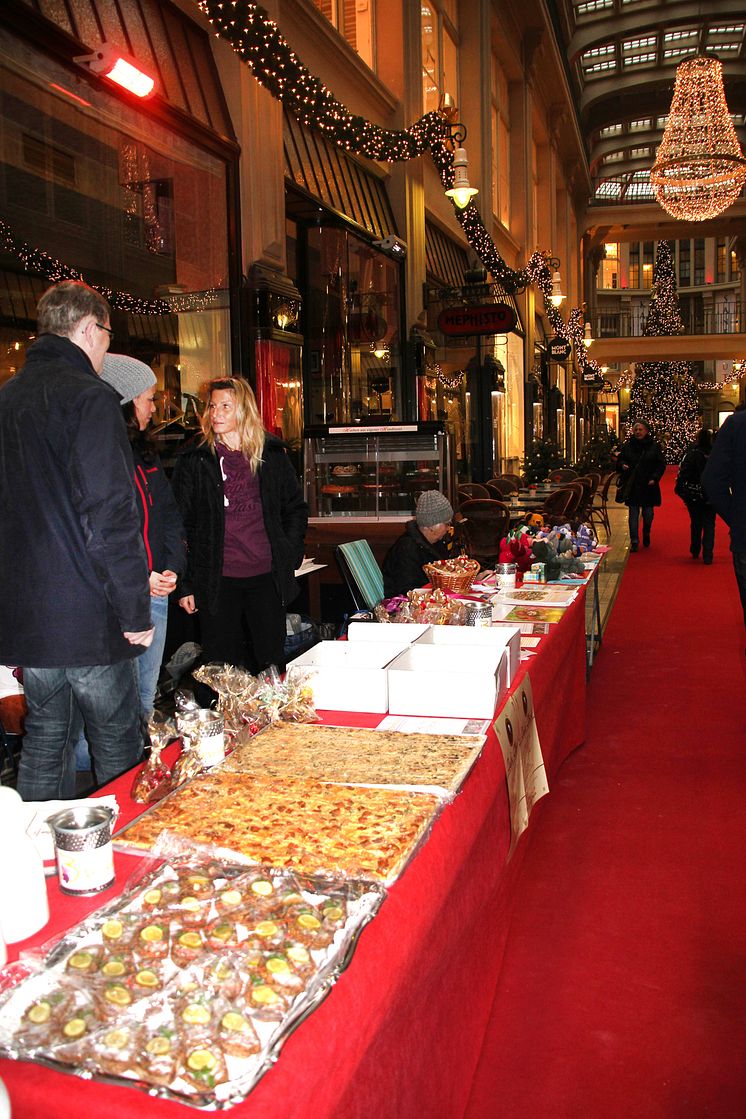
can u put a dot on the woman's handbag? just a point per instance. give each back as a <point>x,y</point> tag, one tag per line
<point>623,486</point>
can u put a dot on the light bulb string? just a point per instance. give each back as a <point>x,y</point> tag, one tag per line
<point>257,40</point>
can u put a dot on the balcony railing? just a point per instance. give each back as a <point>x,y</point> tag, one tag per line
<point>726,319</point>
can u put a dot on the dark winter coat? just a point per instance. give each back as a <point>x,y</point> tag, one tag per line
<point>72,560</point>
<point>402,567</point>
<point>724,478</point>
<point>689,478</point>
<point>645,457</point>
<point>198,488</point>
<point>160,519</point>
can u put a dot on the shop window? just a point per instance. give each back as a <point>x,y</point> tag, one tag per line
<point>610,266</point>
<point>354,20</point>
<point>721,263</point>
<point>439,52</point>
<point>634,264</point>
<point>699,261</point>
<point>353,337</point>
<point>500,144</point>
<point>685,263</point>
<point>137,209</point>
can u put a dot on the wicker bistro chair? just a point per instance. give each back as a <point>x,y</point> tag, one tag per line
<point>500,488</point>
<point>361,573</point>
<point>517,478</point>
<point>563,474</point>
<point>469,490</point>
<point>582,510</point>
<point>487,521</point>
<point>599,510</point>
<point>557,508</point>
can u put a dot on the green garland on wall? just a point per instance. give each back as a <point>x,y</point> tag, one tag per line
<point>257,40</point>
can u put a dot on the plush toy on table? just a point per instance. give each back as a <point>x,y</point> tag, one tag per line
<point>516,548</point>
<point>557,556</point>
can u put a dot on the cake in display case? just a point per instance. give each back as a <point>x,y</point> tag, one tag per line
<point>365,470</point>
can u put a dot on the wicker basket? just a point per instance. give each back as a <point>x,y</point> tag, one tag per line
<point>456,581</point>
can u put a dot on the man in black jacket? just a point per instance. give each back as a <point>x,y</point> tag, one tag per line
<point>724,483</point>
<point>421,543</point>
<point>75,605</point>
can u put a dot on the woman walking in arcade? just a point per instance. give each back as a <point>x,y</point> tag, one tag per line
<point>689,489</point>
<point>641,466</point>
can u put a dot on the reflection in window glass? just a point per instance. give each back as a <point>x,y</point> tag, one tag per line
<point>137,210</point>
<point>354,20</point>
<point>439,53</point>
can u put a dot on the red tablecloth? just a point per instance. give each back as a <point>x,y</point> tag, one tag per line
<point>401,1031</point>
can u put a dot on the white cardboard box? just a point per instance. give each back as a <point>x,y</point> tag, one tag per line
<point>448,680</point>
<point>479,637</point>
<point>403,633</point>
<point>348,675</point>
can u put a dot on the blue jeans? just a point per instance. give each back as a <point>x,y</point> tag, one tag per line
<point>634,521</point>
<point>59,701</point>
<point>148,671</point>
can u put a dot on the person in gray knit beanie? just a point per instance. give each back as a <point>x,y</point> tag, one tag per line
<point>421,543</point>
<point>128,375</point>
<point>433,509</point>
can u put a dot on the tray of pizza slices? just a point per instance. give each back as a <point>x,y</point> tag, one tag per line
<point>188,984</point>
<point>300,824</point>
<point>432,763</point>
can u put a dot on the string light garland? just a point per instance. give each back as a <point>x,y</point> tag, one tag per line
<point>257,40</point>
<point>42,264</point>
<point>664,393</point>
<point>699,168</point>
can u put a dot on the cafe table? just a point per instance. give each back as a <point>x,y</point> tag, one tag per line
<point>400,1033</point>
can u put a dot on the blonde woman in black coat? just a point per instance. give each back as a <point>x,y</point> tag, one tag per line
<point>641,466</point>
<point>245,521</point>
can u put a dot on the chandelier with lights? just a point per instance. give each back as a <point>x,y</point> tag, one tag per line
<point>699,168</point>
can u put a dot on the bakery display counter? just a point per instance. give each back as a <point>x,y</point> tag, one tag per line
<point>401,1029</point>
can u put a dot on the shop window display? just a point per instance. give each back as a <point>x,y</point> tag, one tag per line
<point>97,186</point>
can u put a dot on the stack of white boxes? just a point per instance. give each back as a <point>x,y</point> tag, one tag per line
<point>451,671</point>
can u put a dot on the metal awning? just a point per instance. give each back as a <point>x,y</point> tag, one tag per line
<point>164,40</point>
<point>345,185</point>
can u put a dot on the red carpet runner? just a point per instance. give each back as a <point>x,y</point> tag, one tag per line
<point>623,992</point>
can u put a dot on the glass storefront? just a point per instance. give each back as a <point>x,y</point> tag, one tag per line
<point>139,211</point>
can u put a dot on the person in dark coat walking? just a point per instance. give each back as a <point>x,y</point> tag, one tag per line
<point>245,521</point>
<point>421,543</point>
<point>689,489</point>
<point>641,466</point>
<point>724,483</point>
<point>75,607</point>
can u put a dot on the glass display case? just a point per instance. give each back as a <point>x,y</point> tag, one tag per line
<point>361,470</point>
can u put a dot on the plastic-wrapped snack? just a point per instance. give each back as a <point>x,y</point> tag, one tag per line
<point>299,707</point>
<point>154,779</point>
<point>188,763</point>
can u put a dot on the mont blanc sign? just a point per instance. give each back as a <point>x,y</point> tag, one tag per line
<point>559,348</point>
<point>489,318</point>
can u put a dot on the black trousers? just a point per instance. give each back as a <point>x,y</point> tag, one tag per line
<point>702,521</point>
<point>248,627</point>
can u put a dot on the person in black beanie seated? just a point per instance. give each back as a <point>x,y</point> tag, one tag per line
<point>421,542</point>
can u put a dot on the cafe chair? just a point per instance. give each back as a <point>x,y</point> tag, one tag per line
<point>559,505</point>
<point>563,474</point>
<point>361,573</point>
<point>468,490</point>
<point>599,510</point>
<point>517,478</point>
<point>487,522</point>
<point>500,488</point>
<point>582,510</point>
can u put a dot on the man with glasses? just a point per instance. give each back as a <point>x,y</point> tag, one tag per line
<point>74,594</point>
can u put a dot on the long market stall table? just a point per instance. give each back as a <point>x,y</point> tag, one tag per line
<point>400,1033</point>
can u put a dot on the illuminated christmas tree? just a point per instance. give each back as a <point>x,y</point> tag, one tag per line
<point>664,393</point>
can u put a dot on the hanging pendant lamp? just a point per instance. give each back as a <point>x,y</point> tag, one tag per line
<point>699,168</point>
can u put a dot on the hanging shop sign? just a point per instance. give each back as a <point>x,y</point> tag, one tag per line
<point>491,318</point>
<point>559,348</point>
<point>592,380</point>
